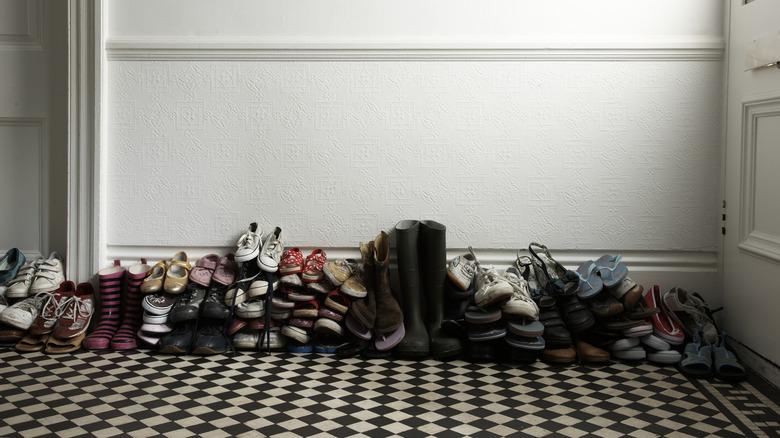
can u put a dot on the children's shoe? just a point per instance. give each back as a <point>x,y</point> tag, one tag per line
<point>22,314</point>
<point>271,252</point>
<point>248,245</point>
<point>49,273</point>
<point>204,269</point>
<point>461,270</point>
<point>10,264</point>
<point>225,273</point>
<point>76,313</point>
<point>19,286</point>
<point>312,270</point>
<point>339,271</point>
<point>50,309</point>
<point>292,262</point>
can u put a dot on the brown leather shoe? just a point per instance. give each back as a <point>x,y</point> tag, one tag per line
<point>388,312</point>
<point>559,355</point>
<point>11,335</point>
<point>605,306</point>
<point>589,353</point>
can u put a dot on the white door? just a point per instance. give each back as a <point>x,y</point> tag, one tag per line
<point>751,249</point>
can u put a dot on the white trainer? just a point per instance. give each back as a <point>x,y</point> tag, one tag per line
<point>461,270</point>
<point>492,287</point>
<point>521,303</point>
<point>271,252</point>
<point>248,245</point>
<point>19,287</point>
<point>48,275</point>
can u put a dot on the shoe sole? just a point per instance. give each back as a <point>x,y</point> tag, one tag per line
<point>172,349</point>
<point>250,315</point>
<point>206,351</point>
<point>353,293</point>
<point>9,294</point>
<point>311,279</point>
<point>12,318</point>
<point>456,281</point>
<point>290,270</point>
<point>331,278</point>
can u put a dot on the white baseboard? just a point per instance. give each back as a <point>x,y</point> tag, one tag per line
<point>762,366</point>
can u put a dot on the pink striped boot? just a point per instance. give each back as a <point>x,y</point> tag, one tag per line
<point>109,297</point>
<point>125,338</point>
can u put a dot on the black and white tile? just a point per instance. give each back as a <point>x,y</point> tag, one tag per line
<point>145,394</point>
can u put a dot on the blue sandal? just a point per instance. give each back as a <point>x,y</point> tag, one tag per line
<point>697,359</point>
<point>590,282</point>
<point>611,269</point>
<point>727,366</point>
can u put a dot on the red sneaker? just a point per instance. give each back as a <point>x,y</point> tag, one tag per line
<point>47,318</point>
<point>663,326</point>
<point>76,313</point>
<point>312,270</point>
<point>292,262</point>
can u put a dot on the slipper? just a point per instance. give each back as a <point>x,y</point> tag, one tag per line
<point>727,366</point>
<point>690,311</point>
<point>476,315</point>
<point>664,326</point>
<point>57,346</point>
<point>487,334</point>
<point>664,357</point>
<point>528,329</point>
<point>611,269</point>
<point>697,359</point>
<point>655,343</point>
<point>590,282</point>
<point>385,342</point>
<point>633,353</point>
<point>625,344</point>
<point>641,330</point>
<point>628,291</point>
<point>556,279</point>
<point>32,343</point>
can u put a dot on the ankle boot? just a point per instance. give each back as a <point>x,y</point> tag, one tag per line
<point>363,311</point>
<point>415,343</point>
<point>110,282</point>
<point>388,313</point>
<point>432,247</point>
<point>125,338</point>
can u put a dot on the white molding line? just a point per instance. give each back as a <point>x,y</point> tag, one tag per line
<point>751,240</point>
<point>166,48</point>
<point>84,140</point>
<point>677,261</point>
<point>43,180</point>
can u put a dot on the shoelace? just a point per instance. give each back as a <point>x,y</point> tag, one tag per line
<point>48,300</point>
<point>247,240</point>
<point>72,308</point>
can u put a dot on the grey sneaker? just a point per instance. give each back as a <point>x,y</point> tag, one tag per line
<point>492,288</point>
<point>521,304</point>
<point>461,270</point>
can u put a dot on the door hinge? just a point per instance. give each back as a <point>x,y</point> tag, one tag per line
<point>723,230</point>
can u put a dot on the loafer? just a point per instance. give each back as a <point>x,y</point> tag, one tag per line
<point>210,340</point>
<point>590,354</point>
<point>559,355</point>
<point>178,341</point>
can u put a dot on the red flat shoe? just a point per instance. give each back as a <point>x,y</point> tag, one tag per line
<point>663,325</point>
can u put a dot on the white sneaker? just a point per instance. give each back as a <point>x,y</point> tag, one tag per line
<point>259,288</point>
<point>521,303</point>
<point>271,252</point>
<point>251,309</point>
<point>492,288</point>
<point>19,287</point>
<point>23,313</point>
<point>248,246</point>
<point>461,270</point>
<point>48,275</point>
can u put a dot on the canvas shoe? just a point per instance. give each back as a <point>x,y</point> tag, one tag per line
<point>48,275</point>
<point>251,309</point>
<point>296,334</point>
<point>248,245</point>
<point>312,270</point>
<point>340,270</point>
<point>9,266</point>
<point>50,309</point>
<point>75,313</point>
<point>492,288</point>
<point>354,286</point>
<point>521,304</point>
<point>292,261</point>
<point>158,304</point>
<point>19,287</point>
<point>259,288</point>
<point>22,314</point>
<point>149,318</point>
<point>271,253</point>
<point>461,270</point>
<point>292,280</point>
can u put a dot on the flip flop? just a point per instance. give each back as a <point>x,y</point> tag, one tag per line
<point>528,329</point>
<point>525,342</point>
<point>590,282</point>
<point>32,343</point>
<point>727,366</point>
<point>697,359</point>
<point>611,269</point>
<point>57,346</point>
<point>385,342</point>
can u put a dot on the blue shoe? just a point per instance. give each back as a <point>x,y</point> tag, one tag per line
<point>325,349</point>
<point>10,264</point>
<point>299,348</point>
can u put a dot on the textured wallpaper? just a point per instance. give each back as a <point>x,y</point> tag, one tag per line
<point>581,155</point>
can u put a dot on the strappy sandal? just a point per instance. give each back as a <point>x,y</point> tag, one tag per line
<point>590,282</point>
<point>611,269</point>
<point>525,265</point>
<point>697,359</point>
<point>557,280</point>
<point>727,366</point>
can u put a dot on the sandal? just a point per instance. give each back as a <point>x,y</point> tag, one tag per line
<point>690,311</point>
<point>557,280</point>
<point>697,359</point>
<point>526,266</point>
<point>57,346</point>
<point>590,282</point>
<point>727,366</point>
<point>32,343</point>
<point>611,269</point>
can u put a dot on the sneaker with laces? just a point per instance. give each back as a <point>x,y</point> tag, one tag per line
<point>271,252</point>
<point>23,313</point>
<point>461,270</point>
<point>248,245</point>
<point>521,304</point>
<point>75,313</point>
<point>50,309</point>
<point>251,309</point>
<point>338,271</point>
<point>492,288</point>
<point>19,287</point>
<point>292,262</point>
<point>158,304</point>
<point>312,269</point>
<point>48,275</point>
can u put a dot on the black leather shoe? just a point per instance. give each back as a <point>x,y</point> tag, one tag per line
<point>577,315</point>
<point>178,341</point>
<point>188,306</point>
<point>214,306</point>
<point>210,340</point>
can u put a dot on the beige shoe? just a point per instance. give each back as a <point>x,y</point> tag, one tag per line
<point>178,273</point>
<point>153,282</point>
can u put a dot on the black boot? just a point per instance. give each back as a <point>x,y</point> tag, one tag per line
<point>432,247</point>
<point>415,343</point>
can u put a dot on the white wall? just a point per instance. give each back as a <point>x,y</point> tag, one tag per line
<point>589,126</point>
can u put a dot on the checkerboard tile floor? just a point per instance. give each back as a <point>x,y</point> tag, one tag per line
<point>145,394</point>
